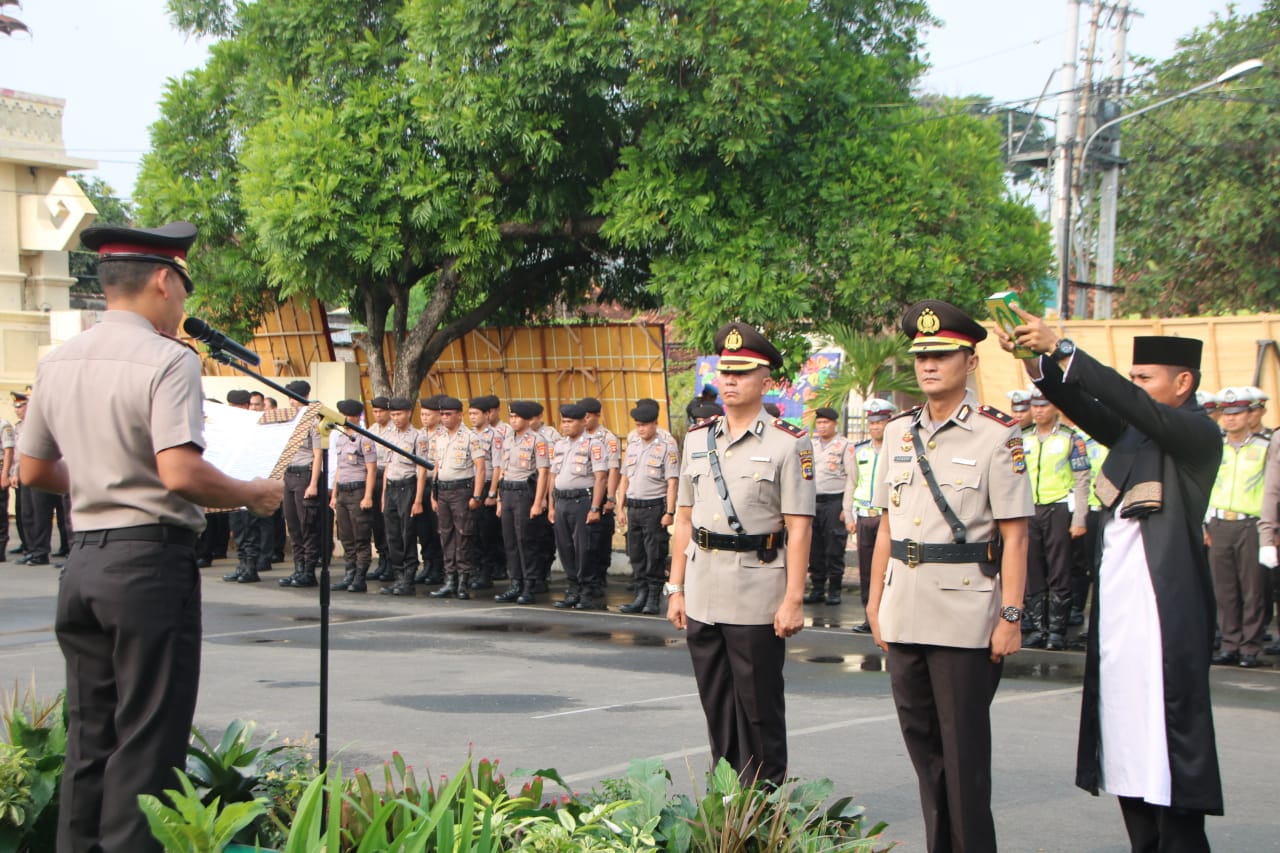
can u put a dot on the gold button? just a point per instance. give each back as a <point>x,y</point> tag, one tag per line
<point>966,581</point>
<point>959,482</point>
<point>755,476</point>
<point>715,517</point>
<point>728,454</point>
<point>917,521</point>
<point>932,444</point>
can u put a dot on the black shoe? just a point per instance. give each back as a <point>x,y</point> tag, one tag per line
<point>347,580</point>
<point>18,550</point>
<point>509,596</point>
<point>232,577</point>
<point>863,627</point>
<point>202,563</point>
<point>357,586</point>
<point>1226,659</point>
<point>1272,650</point>
<point>1034,640</point>
<point>64,551</point>
<point>817,596</point>
<point>404,590</point>
<point>526,598</point>
<point>1251,662</point>
<point>588,603</point>
<point>464,594</point>
<point>480,584</point>
<point>833,597</point>
<point>1055,643</point>
<point>34,561</point>
<point>306,580</point>
<point>250,576</point>
<point>569,602</point>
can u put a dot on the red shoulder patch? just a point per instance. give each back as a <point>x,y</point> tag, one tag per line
<point>790,428</point>
<point>997,415</point>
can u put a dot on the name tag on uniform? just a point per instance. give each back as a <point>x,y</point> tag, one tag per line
<point>959,461</point>
<point>698,454</point>
<point>759,458</point>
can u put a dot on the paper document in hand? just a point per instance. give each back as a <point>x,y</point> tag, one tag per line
<point>244,444</point>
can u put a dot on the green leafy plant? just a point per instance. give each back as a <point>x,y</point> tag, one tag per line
<point>36,732</point>
<point>192,825</point>
<point>872,364</point>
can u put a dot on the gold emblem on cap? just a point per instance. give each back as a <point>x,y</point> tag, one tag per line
<point>733,341</point>
<point>928,322</point>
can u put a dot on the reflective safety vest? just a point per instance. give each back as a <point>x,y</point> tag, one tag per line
<point>1097,455</point>
<point>1238,487</point>
<point>867,458</point>
<point>1052,461</point>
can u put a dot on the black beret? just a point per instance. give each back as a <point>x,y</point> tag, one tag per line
<point>573,411</point>
<point>707,410</point>
<point>351,408</point>
<point>448,404</point>
<point>167,244</point>
<point>400,404</point>
<point>827,413</point>
<point>238,397</point>
<point>525,409</point>
<point>1166,349</point>
<point>742,349</point>
<point>644,413</point>
<point>937,326</point>
<point>481,403</point>
<point>430,403</point>
<point>380,402</point>
<point>299,386</point>
<point>591,405</point>
<point>492,401</point>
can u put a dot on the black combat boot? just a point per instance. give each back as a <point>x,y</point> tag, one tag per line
<point>297,575</point>
<point>655,600</point>
<point>512,593</point>
<point>816,594</point>
<point>383,572</point>
<point>465,587</point>
<point>1059,614</point>
<point>450,588</point>
<point>234,577</point>
<point>249,575</point>
<point>1036,617</point>
<point>639,603</point>
<point>571,597</point>
<point>434,571</point>
<point>591,598</point>
<point>308,578</point>
<point>358,582</point>
<point>834,584</point>
<point>423,575</point>
<point>527,594</point>
<point>347,579</point>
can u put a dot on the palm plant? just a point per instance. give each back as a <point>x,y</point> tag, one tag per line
<point>872,364</point>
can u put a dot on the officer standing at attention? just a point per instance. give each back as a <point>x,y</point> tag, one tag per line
<point>7,444</point>
<point>402,493</point>
<point>302,499</point>
<point>744,519</point>
<point>497,551</point>
<point>650,478</point>
<point>21,399</point>
<point>945,604</point>
<point>128,612</point>
<point>352,498</point>
<point>602,534</point>
<point>834,476</point>
<point>460,477</point>
<point>522,497</point>
<point>426,522</point>
<point>243,524</point>
<point>544,533</point>
<point>488,526</point>
<point>579,477</point>
<point>1232,534</point>
<point>862,518</point>
<point>381,423</point>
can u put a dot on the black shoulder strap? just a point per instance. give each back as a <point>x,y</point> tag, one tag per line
<point>730,514</point>
<point>958,532</point>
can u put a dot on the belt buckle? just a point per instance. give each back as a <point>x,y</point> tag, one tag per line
<point>913,553</point>
<point>873,512</point>
<point>1231,515</point>
<point>702,538</point>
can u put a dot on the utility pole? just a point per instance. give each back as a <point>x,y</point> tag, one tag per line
<point>1063,151</point>
<point>1106,274</point>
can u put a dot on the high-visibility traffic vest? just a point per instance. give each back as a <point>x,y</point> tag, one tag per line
<point>867,458</point>
<point>1238,487</point>
<point>1052,461</point>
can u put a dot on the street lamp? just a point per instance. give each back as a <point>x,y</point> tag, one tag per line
<point>1064,278</point>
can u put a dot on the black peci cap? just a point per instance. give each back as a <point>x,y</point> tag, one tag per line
<point>742,349</point>
<point>572,412</point>
<point>937,326</point>
<point>525,409</point>
<point>299,386</point>
<point>238,397</point>
<point>167,244</point>
<point>1169,350</point>
<point>351,408</point>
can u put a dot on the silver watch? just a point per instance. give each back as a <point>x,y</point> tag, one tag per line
<point>672,588</point>
<point>1011,614</point>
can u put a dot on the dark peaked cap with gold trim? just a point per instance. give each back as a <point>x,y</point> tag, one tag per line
<point>742,349</point>
<point>167,244</point>
<point>937,326</point>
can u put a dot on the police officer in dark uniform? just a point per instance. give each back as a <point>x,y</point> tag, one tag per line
<point>128,613</point>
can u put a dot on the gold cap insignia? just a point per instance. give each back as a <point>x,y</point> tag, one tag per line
<point>733,341</point>
<point>928,322</point>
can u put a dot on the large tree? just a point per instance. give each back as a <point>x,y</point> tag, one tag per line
<point>1199,210</point>
<point>754,158</point>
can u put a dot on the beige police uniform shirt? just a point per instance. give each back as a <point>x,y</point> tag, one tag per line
<point>384,455</point>
<point>410,439</point>
<point>769,473</point>
<point>305,454</point>
<point>523,454</point>
<point>978,462</point>
<point>107,402</point>
<point>836,470</point>
<point>612,447</point>
<point>354,453</point>
<point>1269,525</point>
<point>575,461</point>
<point>454,454</point>
<point>649,465</point>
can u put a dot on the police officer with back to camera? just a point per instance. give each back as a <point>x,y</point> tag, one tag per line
<point>128,613</point>
<point>834,474</point>
<point>743,523</point>
<point>945,602</point>
<point>862,518</point>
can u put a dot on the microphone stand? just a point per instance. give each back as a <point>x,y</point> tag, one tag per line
<point>329,421</point>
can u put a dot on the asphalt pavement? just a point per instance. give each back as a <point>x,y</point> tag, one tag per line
<point>586,692</point>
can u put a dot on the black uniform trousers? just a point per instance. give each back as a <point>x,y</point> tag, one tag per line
<point>19,497</point>
<point>1084,561</point>
<point>739,673</point>
<point>826,548</point>
<point>544,547</point>
<point>573,540</point>
<point>397,515</point>
<point>427,529</point>
<point>37,521</point>
<point>648,542</point>
<point>4,521</point>
<point>128,623</point>
<point>518,536</point>
<point>302,517</point>
<point>213,541</point>
<point>1162,829</point>
<point>491,552</point>
<point>379,528</point>
<point>1049,551</point>
<point>866,530</point>
<point>355,524</point>
<point>457,528</point>
<point>248,537</point>
<point>1239,584</point>
<point>601,547</point>
<point>943,696</point>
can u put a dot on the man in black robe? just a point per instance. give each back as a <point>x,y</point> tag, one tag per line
<point>1164,456</point>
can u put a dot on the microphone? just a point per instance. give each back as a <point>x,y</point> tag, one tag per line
<point>202,331</point>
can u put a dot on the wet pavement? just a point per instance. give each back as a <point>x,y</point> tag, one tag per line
<point>585,692</point>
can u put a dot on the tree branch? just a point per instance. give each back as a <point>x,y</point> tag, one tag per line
<point>574,228</point>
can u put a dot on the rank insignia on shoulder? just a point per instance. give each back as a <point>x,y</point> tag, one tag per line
<point>704,424</point>
<point>997,415</point>
<point>788,427</point>
<point>905,412</point>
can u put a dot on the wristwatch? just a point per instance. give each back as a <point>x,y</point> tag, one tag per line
<point>672,588</point>
<point>1011,614</point>
<point>596,509</point>
<point>1065,349</point>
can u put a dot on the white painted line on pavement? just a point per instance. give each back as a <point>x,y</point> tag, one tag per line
<point>609,707</point>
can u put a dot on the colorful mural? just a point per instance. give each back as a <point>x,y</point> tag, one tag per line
<point>791,397</point>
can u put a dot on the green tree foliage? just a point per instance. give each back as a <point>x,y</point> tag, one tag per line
<point>749,158</point>
<point>1199,210</point>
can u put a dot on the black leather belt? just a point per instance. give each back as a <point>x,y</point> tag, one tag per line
<point>352,487</point>
<point>403,482</point>
<point>830,496</point>
<point>450,485</point>
<point>298,469</point>
<point>706,540</point>
<point>165,533</point>
<point>915,553</point>
<point>515,485</point>
<point>570,494</point>
<point>643,503</point>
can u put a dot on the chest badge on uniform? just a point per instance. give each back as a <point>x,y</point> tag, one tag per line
<point>906,442</point>
<point>806,464</point>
